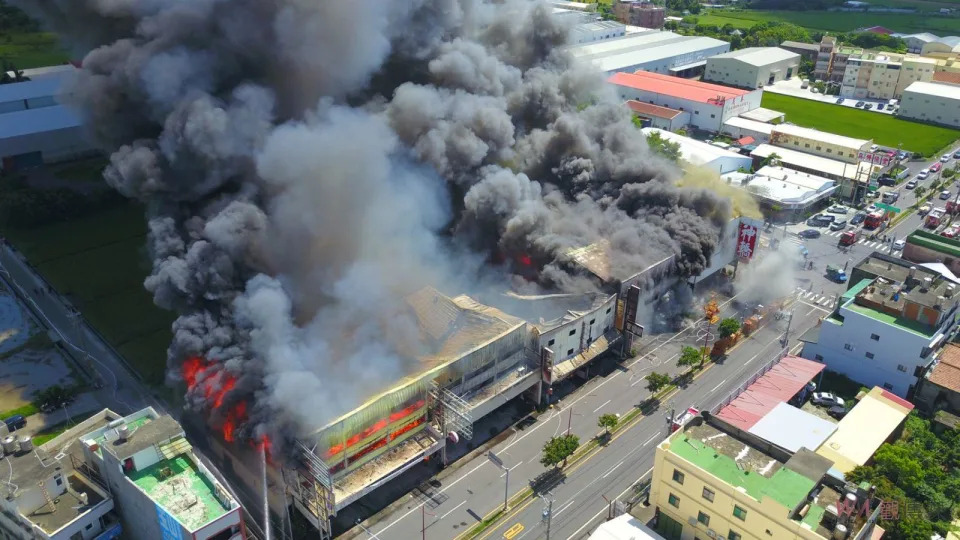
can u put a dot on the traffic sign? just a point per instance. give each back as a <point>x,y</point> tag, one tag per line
<point>496,461</point>
<point>889,208</point>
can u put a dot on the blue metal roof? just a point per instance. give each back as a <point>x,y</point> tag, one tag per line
<point>30,121</point>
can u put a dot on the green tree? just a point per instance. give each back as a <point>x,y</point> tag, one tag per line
<point>728,327</point>
<point>772,159</point>
<point>608,421</point>
<point>558,449</point>
<point>656,381</point>
<point>665,148</point>
<point>690,356</point>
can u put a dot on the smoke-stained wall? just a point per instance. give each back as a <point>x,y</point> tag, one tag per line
<point>306,165</point>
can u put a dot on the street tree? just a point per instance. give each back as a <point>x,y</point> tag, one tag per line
<point>608,421</point>
<point>656,381</point>
<point>558,449</point>
<point>728,327</point>
<point>690,356</point>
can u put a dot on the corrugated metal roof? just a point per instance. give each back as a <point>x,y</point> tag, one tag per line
<point>817,135</point>
<point>48,85</point>
<point>792,429</point>
<point>44,119</point>
<point>948,91</point>
<point>774,387</point>
<point>759,56</point>
<point>677,87</point>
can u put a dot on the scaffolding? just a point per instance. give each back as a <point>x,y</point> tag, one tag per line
<point>314,489</point>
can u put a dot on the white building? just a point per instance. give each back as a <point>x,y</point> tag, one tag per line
<point>740,127</point>
<point>946,44</point>
<point>34,127</point>
<point>704,154</point>
<point>651,50</point>
<point>887,325</point>
<point>710,105</point>
<point>625,527</point>
<point>784,193</point>
<point>597,31</point>
<point>753,67</point>
<point>915,42</point>
<point>936,103</point>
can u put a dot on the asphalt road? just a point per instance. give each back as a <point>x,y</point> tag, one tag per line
<point>476,489</point>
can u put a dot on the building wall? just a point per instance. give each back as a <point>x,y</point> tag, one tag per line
<point>914,69</point>
<point>664,64</point>
<point>137,512</point>
<point>934,109</point>
<point>736,107</point>
<point>572,338</point>
<point>896,354</point>
<point>764,519</point>
<point>920,254</point>
<point>821,69</point>
<point>931,397</point>
<point>815,146</point>
<point>702,115</point>
<point>230,520</point>
<point>56,145</point>
<point>736,72</point>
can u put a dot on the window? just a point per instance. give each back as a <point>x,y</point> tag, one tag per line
<point>888,386</point>
<point>703,518</point>
<point>739,513</point>
<point>829,151</point>
<point>592,321</point>
<point>89,526</point>
<point>806,145</point>
<point>569,352</point>
<point>551,342</point>
<point>572,332</point>
<point>696,112</point>
<point>708,494</point>
<point>868,355</point>
<point>818,149</point>
<point>733,535</point>
<point>59,481</point>
<point>608,310</point>
<point>713,116</point>
<point>848,346</point>
<point>678,477</point>
<point>875,337</point>
<point>674,500</point>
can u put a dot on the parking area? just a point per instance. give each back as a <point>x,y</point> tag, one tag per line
<point>793,87</point>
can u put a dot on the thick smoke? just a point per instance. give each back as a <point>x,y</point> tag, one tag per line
<point>308,164</point>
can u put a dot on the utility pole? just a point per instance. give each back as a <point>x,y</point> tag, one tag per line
<point>786,335</point>
<point>569,419</point>
<point>547,515</point>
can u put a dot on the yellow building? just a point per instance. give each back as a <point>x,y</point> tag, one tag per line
<point>915,68</point>
<point>714,480</point>
<point>820,143</point>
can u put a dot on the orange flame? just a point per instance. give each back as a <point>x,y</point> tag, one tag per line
<point>236,414</point>
<point>192,369</point>
<point>228,383</point>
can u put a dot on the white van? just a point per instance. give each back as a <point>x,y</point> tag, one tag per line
<point>893,103</point>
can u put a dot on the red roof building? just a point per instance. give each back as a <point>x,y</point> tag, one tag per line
<point>709,105</point>
<point>878,30</point>
<point>657,116</point>
<point>940,388</point>
<point>784,380</point>
<point>946,77</point>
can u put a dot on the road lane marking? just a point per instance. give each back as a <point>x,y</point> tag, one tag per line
<point>513,531</point>
<point>606,507</point>
<point>604,404</point>
<point>557,513</point>
<point>655,435</point>
<point>718,386</point>
<point>613,469</point>
<point>451,511</point>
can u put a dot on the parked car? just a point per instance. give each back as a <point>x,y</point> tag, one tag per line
<point>904,155</point>
<point>945,158</point>
<point>922,175</point>
<point>838,225</point>
<point>826,398</point>
<point>837,411</point>
<point>935,167</point>
<point>924,210</point>
<point>899,245</point>
<point>874,148</point>
<point>809,233</point>
<point>840,100</point>
<point>15,422</point>
<point>859,104</point>
<point>858,218</point>
<point>868,106</point>
<point>879,106</point>
<point>911,184</point>
<point>950,233</point>
<point>872,208</point>
<point>956,155</point>
<point>944,195</point>
<point>837,209</point>
<point>887,181</point>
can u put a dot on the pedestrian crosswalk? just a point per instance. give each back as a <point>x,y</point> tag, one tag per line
<point>863,241</point>
<point>814,297</point>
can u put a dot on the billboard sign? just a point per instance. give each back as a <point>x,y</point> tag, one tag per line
<point>746,240</point>
<point>877,158</point>
<point>546,364</point>
<point>630,307</point>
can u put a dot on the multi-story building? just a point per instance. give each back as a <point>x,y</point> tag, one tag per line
<point>936,103</point>
<point>821,70</point>
<point>881,75</point>
<point>51,494</point>
<point>939,387</point>
<point>838,62</point>
<point>639,13</point>
<point>887,327</point>
<point>753,67</point>
<point>162,490</point>
<point>819,143</point>
<point>651,50</point>
<point>710,105</point>
<point>915,68</point>
<point>777,472</point>
<point>807,51</point>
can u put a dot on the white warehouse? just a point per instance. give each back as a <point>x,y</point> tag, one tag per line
<point>753,67</point>
<point>936,103</point>
<point>653,50</point>
<point>710,105</point>
<point>704,154</point>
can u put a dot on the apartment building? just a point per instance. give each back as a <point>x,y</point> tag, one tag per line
<point>636,13</point>
<point>821,70</point>
<point>877,75</point>
<point>888,326</point>
<point>779,475</point>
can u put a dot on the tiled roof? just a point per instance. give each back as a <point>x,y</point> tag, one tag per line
<point>947,77</point>
<point>650,109</point>
<point>947,372</point>
<point>676,87</point>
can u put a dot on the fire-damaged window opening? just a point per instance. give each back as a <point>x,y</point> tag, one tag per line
<point>592,321</point>
<point>569,352</point>
<point>550,343</point>
<point>572,332</point>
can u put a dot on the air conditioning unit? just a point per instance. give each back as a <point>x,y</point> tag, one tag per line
<point>711,533</point>
<point>693,521</point>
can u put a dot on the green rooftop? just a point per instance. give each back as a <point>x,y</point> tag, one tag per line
<point>784,486</point>
<point>935,242</point>
<point>903,323</point>
<point>177,486</point>
<point>814,516</point>
<point>855,290</point>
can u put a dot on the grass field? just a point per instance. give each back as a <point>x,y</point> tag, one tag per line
<point>883,129</point>
<point>32,50</point>
<point>831,21</point>
<point>99,262</point>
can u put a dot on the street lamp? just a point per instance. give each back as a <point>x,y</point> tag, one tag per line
<point>506,484</point>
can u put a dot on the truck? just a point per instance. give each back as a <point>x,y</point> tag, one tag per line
<point>849,238</point>
<point>934,218</point>
<point>953,207</point>
<point>836,274</point>
<point>874,219</point>
<point>677,421</point>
